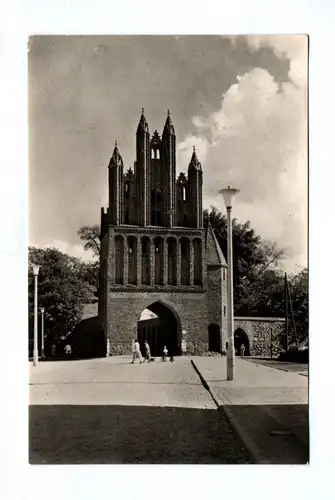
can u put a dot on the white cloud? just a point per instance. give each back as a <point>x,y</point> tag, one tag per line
<point>257,141</point>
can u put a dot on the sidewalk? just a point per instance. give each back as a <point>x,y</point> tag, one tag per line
<point>267,408</point>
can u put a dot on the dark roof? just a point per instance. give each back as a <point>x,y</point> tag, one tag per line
<point>214,253</point>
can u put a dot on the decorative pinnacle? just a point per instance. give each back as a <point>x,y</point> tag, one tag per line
<point>115,143</point>
<point>193,149</point>
<point>142,111</point>
<point>168,112</point>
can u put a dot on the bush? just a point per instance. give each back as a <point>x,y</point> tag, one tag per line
<point>295,355</point>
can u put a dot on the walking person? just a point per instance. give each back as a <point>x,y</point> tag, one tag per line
<point>147,351</point>
<point>242,350</point>
<point>165,354</point>
<point>136,351</point>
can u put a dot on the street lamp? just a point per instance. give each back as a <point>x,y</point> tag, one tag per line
<point>42,309</point>
<point>228,196</point>
<point>35,271</point>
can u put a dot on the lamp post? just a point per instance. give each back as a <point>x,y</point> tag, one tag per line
<point>35,271</point>
<point>42,309</point>
<point>229,195</point>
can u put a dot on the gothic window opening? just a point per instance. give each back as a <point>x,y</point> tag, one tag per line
<point>156,203</point>
<point>152,154</point>
<point>184,193</point>
<point>132,260</point>
<point>159,261</point>
<point>146,261</point>
<point>119,260</point>
<point>172,261</point>
<point>197,248</point>
<point>185,261</point>
<point>126,202</point>
<point>157,154</point>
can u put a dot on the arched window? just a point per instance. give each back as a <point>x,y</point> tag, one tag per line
<point>172,261</point>
<point>119,259</point>
<point>197,248</point>
<point>159,260</point>
<point>157,154</point>
<point>185,261</point>
<point>156,206</point>
<point>152,154</point>
<point>145,261</point>
<point>132,260</point>
<point>184,193</point>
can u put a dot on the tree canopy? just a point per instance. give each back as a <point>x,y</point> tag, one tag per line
<point>90,235</point>
<point>63,288</point>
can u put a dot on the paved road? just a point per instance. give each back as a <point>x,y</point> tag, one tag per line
<point>109,411</point>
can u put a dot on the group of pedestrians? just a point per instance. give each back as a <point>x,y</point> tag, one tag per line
<point>147,353</point>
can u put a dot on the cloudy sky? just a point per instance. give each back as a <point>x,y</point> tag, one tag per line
<point>242,101</point>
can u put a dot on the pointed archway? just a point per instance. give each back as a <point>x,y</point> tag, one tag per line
<point>164,329</point>
<point>240,337</point>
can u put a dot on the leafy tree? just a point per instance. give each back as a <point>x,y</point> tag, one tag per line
<point>61,290</point>
<point>298,286</point>
<point>90,234</point>
<point>258,286</point>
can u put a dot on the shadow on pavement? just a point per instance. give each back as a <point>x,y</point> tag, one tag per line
<point>279,433</point>
<point>73,434</point>
<point>289,366</point>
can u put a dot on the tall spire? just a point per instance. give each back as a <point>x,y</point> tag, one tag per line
<point>116,159</point>
<point>194,160</point>
<point>143,124</point>
<point>169,128</point>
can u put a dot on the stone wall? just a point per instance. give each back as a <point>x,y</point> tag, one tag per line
<point>264,334</point>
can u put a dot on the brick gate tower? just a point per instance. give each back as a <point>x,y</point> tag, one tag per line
<point>156,255</point>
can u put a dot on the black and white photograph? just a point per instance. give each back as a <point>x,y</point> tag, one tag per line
<point>168,273</point>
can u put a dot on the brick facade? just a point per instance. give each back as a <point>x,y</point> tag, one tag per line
<point>154,247</point>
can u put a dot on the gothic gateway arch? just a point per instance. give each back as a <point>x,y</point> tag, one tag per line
<point>155,250</point>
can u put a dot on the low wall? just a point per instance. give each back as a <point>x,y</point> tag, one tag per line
<point>264,334</point>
